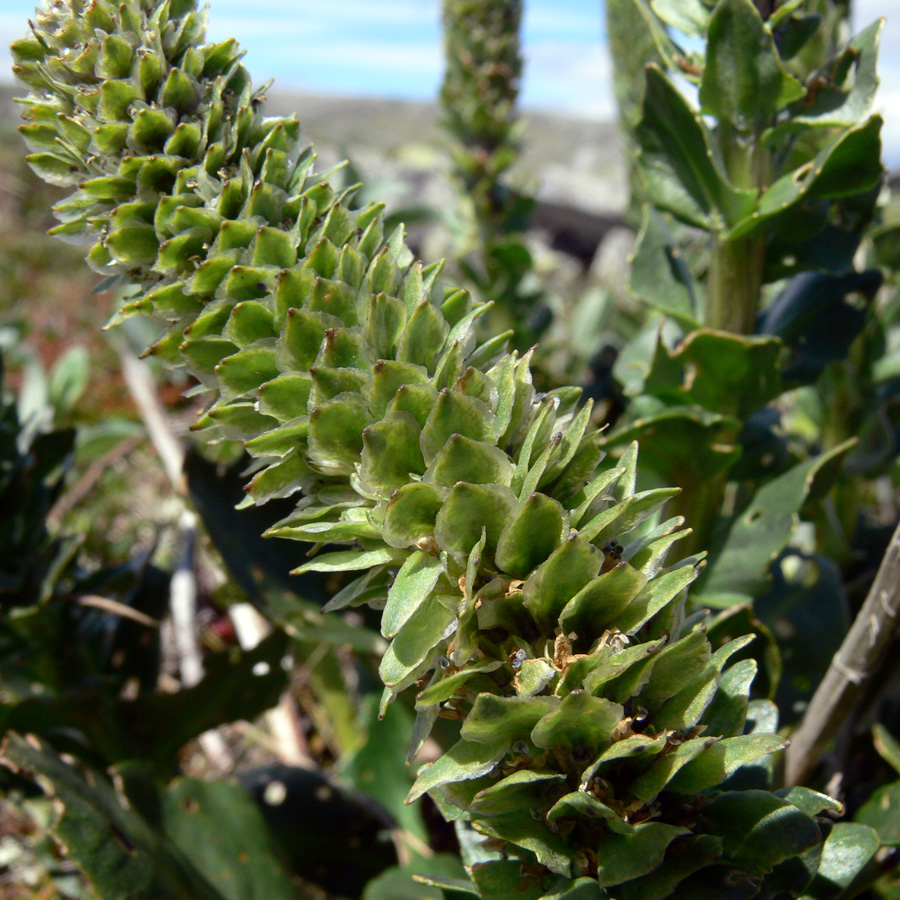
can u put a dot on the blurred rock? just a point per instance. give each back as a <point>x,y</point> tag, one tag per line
<point>610,263</point>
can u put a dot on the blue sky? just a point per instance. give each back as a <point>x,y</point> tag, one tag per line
<point>393,48</point>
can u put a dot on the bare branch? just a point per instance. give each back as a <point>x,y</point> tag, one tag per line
<point>859,657</point>
<point>156,421</point>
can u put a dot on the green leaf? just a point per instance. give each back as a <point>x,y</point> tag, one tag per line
<point>250,321</point>
<point>677,161</point>
<point>851,83</point>
<point>387,378</point>
<point>447,883</point>
<point>674,666</point>
<point>647,785</point>
<point>738,570</point>
<point>760,830</point>
<point>621,857</point>
<point>390,453</point>
<point>683,858</point>
<point>280,441</point>
<point>180,91</point>
<point>659,274</point>
<point>847,850</point>
<point>245,371</point>
<point>378,767</point>
<point>637,745</point>
<point>350,525</point>
<point>493,718</point>
<point>689,16</point>
<point>887,745</point>
<point>462,459</point>
<point>205,354</point>
<point>414,582</point>
<point>411,514</point>
<point>580,804</point>
<point>221,830</point>
<point>743,79</point>
<point>454,413</point>
<point>848,166</point>
<point>349,561</point>
<point>521,829</point>
<point>417,641</point>
<point>794,28</point>
<point>69,379</point>
<point>728,711</point>
<point>647,554</point>
<point>450,684</point>
<point>622,517</point>
<point>150,128</point>
<point>133,245</point>
<point>684,709</point>
<point>469,508</point>
<point>882,812</point>
<point>336,433</point>
<point>729,374</point>
<point>655,596</point>
<point>502,880</point>
<point>421,879</point>
<point>53,169</point>
<point>301,337</point>
<point>811,802</point>
<point>273,247</point>
<point>581,724</point>
<point>515,791</point>
<point>422,339</point>
<point>464,761</point>
<point>570,567</point>
<point>602,599</point>
<point>285,397</point>
<point>531,535</point>
<point>722,759</point>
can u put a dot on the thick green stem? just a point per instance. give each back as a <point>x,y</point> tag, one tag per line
<point>735,279</point>
<point>842,400</point>
<point>737,266</point>
<point>700,502</point>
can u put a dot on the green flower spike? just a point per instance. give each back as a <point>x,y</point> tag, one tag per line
<point>598,727</point>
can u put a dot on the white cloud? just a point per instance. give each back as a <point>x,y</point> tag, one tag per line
<point>565,77</point>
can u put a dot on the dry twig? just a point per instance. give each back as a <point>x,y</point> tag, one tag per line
<point>859,657</point>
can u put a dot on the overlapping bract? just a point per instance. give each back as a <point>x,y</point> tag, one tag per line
<point>479,512</point>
